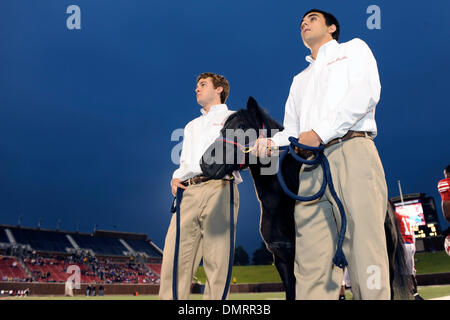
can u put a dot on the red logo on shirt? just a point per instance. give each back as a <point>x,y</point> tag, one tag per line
<point>218,124</point>
<point>336,60</point>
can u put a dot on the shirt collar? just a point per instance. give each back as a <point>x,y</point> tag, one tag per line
<point>217,107</point>
<point>326,47</point>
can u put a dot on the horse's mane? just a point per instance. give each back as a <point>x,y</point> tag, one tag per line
<point>240,116</point>
<point>254,117</point>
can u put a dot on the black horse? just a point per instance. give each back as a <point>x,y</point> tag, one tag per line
<point>277,225</point>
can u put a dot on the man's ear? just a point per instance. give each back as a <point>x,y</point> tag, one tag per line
<point>219,90</point>
<point>332,28</point>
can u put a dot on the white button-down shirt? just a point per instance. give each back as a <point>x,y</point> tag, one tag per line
<point>336,93</point>
<point>199,134</point>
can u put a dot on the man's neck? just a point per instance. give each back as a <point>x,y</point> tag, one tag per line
<point>316,46</point>
<point>208,106</point>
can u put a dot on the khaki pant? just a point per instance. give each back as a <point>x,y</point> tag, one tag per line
<point>204,232</point>
<point>359,181</point>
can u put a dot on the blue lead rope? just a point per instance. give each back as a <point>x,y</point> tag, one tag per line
<point>177,205</point>
<point>177,245</point>
<point>231,256</point>
<point>319,158</point>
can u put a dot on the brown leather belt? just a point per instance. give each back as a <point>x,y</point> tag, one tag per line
<point>349,135</point>
<point>201,178</point>
<point>195,180</point>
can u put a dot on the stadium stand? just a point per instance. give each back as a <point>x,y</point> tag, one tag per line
<point>144,247</point>
<point>101,246</point>
<point>156,268</point>
<point>46,270</point>
<point>55,270</point>
<point>41,240</point>
<point>11,270</point>
<point>103,257</point>
<point>3,236</point>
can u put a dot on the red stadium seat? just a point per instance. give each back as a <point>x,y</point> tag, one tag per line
<point>9,272</point>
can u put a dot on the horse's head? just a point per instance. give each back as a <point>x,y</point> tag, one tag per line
<point>230,151</point>
<point>253,118</point>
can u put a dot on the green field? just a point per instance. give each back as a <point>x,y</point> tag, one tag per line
<point>248,274</point>
<point>426,263</point>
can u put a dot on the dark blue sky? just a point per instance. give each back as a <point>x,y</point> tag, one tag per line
<point>87,115</point>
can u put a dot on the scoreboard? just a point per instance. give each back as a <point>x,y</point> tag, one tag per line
<point>421,212</point>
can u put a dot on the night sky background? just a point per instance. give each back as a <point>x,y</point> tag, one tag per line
<point>86,116</point>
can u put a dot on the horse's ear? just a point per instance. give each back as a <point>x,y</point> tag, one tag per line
<point>252,104</point>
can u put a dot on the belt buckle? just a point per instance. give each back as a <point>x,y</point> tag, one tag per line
<point>195,180</point>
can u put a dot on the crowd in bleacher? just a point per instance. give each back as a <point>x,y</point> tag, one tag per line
<point>28,254</point>
<point>53,268</point>
<point>10,270</point>
<point>108,271</point>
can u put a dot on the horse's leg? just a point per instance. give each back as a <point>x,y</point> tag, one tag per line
<point>280,243</point>
<point>284,255</point>
<point>277,227</point>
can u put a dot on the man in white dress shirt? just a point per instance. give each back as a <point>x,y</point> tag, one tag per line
<point>205,205</point>
<point>332,102</point>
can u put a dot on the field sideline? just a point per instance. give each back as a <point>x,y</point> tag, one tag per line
<point>426,263</point>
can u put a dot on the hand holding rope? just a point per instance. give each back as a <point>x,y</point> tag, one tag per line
<point>319,158</point>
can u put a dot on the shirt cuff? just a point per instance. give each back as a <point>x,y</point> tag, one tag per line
<point>325,132</point>
<point>280,139</point>
<point>179,175</point>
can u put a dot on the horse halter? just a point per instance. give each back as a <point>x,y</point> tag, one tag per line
<point>244,148</point>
